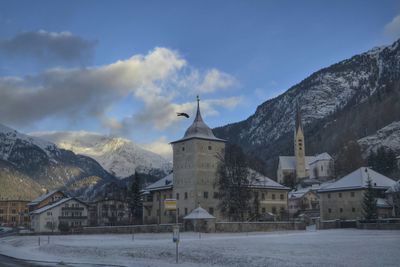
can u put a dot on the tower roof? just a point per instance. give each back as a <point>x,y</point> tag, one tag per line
<point>298,118</point>
<point>199,129</point>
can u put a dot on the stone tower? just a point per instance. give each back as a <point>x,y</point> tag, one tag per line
<point>195,162</point>
<point>299,147</point>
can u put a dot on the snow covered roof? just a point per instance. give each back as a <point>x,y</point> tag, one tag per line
<point>48,207</point>
<point>198,214</point>
<point>298,193</point>
<point>358,180</point>
<point>382,203</point>
<point>261,181</point>
<point>43,197</point>
<point>289,162</point>
<point>322,156</point>
<point>164,183</point>
<point>199,129</point>
<point>394,188</point>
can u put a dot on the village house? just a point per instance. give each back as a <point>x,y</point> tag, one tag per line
<point>393,198</point>
<point>108,212</point>
<point>71,212</point>
<point>14,212</point>
<point>46,199</point>
<point>343,199</point>
<point>303,201</point>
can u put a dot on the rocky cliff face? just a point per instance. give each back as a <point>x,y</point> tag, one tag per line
<point>336,104</point>
<point>41,164</point>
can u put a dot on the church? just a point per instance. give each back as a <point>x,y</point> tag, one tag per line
<point>301,167</point>
<point>193,181</point>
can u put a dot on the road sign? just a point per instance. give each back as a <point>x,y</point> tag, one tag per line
<point>170,204</point>
<point>175,233</point>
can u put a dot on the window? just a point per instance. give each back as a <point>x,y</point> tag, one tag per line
<point>205,194</point>
<point>215,194</point>
<point>186,196</point>
<point>340,194</point>
<point>274,210</point>
<point>329,210</point>
<point>177,196</point>
<point>183,148</point>
<point>211,210</point>
<point>353,209</point>
<point>209,148</point>
<point>262,196</point>
<point>164,196</point>
<point>329,195</point>
<point>1,211</point>
<point>13,219</point>
<point>341,210</point>
<point>282,196</point>
<point>185,211</point>
<point>14,212</point>
<point>49,213</point>
<point>352,194</point>
<point>263,210</point>
<point>273,196</point>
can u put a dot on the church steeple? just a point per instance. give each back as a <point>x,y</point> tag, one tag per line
<point>299,146</point>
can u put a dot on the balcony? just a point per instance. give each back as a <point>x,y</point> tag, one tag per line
<point>73,217</point>
<point>71,208</point>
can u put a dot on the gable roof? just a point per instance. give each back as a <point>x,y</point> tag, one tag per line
<point>43,197</point>
<point>394,188</point>
<point>198,214</point>
<point>289,162</point>
<point>261,181</point>
<point>358,180</point>
<point>322,156</point>
<point>164,183</point>
<point>48,207</point>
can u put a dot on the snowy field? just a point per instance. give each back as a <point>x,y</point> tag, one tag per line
<point>342,247</point>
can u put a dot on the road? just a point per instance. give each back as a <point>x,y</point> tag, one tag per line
<point>11,262</point>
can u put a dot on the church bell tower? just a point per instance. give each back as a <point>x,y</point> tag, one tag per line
<point>299,147</point>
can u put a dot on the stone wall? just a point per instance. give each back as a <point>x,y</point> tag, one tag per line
<point>333,224</point>
<point>258,226</point>
<point>128,229</point>
<point>393,224</point>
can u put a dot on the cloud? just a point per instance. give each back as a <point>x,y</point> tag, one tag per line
<point>392,29</point>
<point>160,146</point>
<point>154,79</point>
<point>215,80</point>
<point>48,47</point>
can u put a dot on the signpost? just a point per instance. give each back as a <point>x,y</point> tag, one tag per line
<point>170,204</point>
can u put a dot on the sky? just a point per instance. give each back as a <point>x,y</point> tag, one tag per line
<point>124,68</point>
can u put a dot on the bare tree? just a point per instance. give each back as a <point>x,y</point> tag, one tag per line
<point>234,183</point>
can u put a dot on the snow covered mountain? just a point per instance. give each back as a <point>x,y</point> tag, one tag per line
<point>388,137</point>
<point>348,100</point>
<point>29,164</point>
<point>119,156</point>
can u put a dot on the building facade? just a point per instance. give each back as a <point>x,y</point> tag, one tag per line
<point>46,199</point>
<point>14,213</point>
<point>343,199</point>
<point>68,211</point>
<point>109,212</point>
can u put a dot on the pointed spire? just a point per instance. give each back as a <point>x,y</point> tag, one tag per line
<point>298,118</point>
<point>199,129</point>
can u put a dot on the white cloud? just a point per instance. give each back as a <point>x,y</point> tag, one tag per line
<point>392,29</point>
<point>215,80</point>
<point>155,79</point>
<point>160,146</point>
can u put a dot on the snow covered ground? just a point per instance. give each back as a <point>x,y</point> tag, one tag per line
<point>342,247</point>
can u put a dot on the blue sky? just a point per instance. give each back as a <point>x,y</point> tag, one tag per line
<point>59,67</point>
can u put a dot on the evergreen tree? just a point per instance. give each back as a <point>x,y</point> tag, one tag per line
<point>233,183</point>
<point>135,199</point>
<point>369,202</point>
<point>383,161</point>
